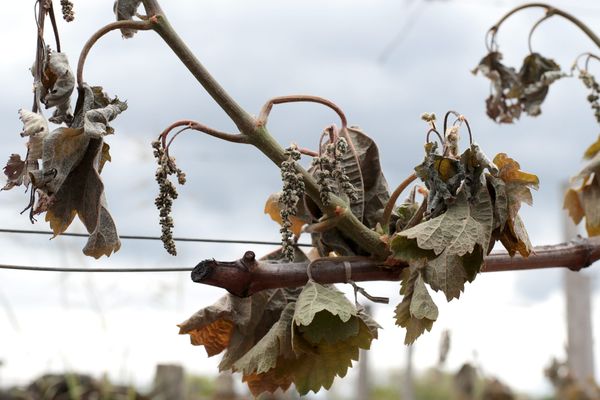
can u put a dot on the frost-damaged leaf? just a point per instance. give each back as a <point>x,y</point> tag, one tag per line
<point>272,208</point>
<point>514,92</point>
<point>58,84</point>
<point>318,368</point>
<point>592,150</point>
<point>315,298</point>
<point>536,75</point>
<point>71,161</point>
<point>96,121</point>
<point>276,343</point>
<point>235,324</point>
<point>590,197</point>
<point>448,273</point>
<point>124,10</point>
<point>417,311</point>
<point>572,204</point>
<point>458,230</point>
<point>517,183</point>
<point>517,186</point>
<point>499,199</point>
<point>515,239</point>
<point>584,201</point>
<point>14,171</point>
<point>82,193</point>
<point>374,196</point>
<point>502,104</point>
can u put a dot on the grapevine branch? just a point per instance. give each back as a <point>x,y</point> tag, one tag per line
<point>258,134</point>
<point>247,275</point>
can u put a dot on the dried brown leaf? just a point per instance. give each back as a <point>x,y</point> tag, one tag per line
<point>13,170</point>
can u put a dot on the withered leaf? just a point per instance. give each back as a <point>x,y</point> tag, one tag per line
<point>318,368</point>
<point>369,205</point>
<point>448,273</point>
<point>517,187</point>
<point>276,343</point>
<point>512,92</point>
<point>417,311</point>
<point>235,324</point>
<point>457,230</point>
<point>592,150</point>
<point>502,105</point>
<point>316,298</point>
<point>273,210</point>
<point>514,237</point>
<point>517,183</point>
<point>585,201</point>
<point>536,75</point>
<point>124,10</point>
<point>572,204</point>
<point>58,83</point>
<point>14,171</point>
<point>590,197</point>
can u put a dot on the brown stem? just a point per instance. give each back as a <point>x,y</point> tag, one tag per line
<point>247,276</point>
<point>534,27</point>
<point>241,118</point>
<point>552,11</point>
<point>39,55</point>
<point>54,26</point>
<point>300,98</point>
<point>389,207</point>
<point>125,24</point>
<point>197,126</point>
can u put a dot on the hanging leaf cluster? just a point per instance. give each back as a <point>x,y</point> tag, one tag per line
<point>472,202</point>
<point>516,92</point>
<point>62,167</point>
<point>280,337</point>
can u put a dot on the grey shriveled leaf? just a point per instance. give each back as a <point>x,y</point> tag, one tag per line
<point>405,318</point>
<point>316,298</point>
<point>82,193</point>
<point>422,305</point>
<point>96,121</point>
<point>458,230</point>
<point>103,240</point>
<point>58,83</point>
<point>124,10</point>
<point>500,201</point>
<point>446,273</point>
<point>536,75</point>
<point>276,343</point>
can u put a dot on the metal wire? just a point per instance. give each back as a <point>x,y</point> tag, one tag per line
<point>141,237</point>
<point>125,270</point>
<point>58,269</point>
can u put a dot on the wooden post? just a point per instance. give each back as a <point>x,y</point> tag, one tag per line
<point>169,382</point>
<point>363,390</point>
<point>224,387</point>
<point>580,343</point>
<point>407,390</point>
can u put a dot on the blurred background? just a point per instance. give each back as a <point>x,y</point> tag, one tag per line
<point>384,62</point>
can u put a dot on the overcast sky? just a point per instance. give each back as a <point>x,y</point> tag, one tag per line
<point>125,324</point>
